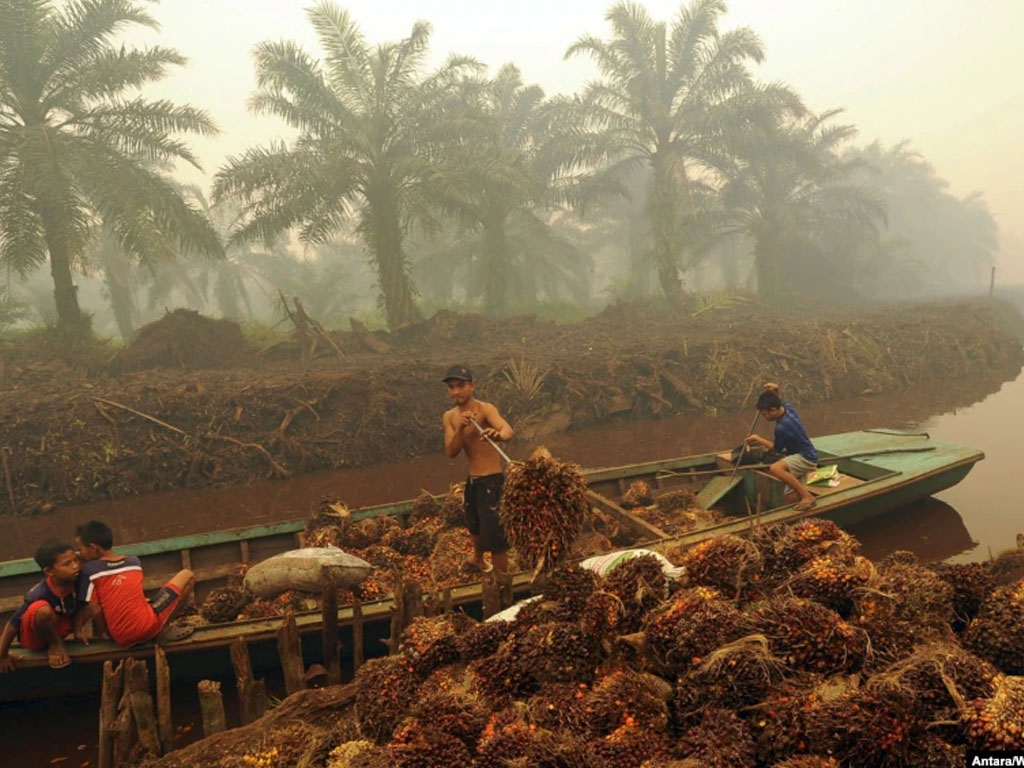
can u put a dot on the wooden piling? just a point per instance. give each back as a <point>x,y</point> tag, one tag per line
<point>289,648</point>
<point>211,704</point>
<point>252,697</point>
<point>332,661</point>
<point>491,595</point>
<point>165,725</point>
<point>358,654</point>
<point>124,733</point>
<point>113,684</point>
<point>137,686</point>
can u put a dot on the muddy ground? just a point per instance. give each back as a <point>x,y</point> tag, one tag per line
<point>162,417</point>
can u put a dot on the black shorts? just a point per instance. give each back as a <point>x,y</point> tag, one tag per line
<point>482,497</point>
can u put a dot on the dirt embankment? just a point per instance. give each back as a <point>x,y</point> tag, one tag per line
<point>72,438</point>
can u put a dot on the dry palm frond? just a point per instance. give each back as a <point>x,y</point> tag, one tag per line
<point>525,378</point>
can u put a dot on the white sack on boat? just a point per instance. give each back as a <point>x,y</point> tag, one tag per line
<point>307,570</point>
<point>604,564</point>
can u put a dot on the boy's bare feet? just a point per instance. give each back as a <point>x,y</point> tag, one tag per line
<point>58,655</point>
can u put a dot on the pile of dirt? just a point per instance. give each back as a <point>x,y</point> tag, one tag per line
<point>627,671</point>
<point>185,339</point>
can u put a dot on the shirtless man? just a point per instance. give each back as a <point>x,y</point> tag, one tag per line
<point>485,481</point>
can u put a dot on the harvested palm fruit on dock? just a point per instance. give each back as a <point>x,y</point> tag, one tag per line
<point>543,508</point>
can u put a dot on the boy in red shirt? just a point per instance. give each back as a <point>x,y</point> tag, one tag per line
<point>111,585</point>
<point>44,618</point>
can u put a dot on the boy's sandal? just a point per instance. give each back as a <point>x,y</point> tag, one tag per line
<point>174,633</point>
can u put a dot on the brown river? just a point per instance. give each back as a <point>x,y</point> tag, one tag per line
<point>978,517</point>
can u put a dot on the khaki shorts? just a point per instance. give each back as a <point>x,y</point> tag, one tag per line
<point>799,465</point>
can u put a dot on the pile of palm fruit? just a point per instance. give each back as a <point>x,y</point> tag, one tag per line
<point>786,649</point>
<point>674,512</point>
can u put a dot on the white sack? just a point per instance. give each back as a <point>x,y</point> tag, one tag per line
<point>307,570</point>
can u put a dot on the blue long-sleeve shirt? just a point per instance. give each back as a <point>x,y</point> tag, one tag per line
<point>791,437</point>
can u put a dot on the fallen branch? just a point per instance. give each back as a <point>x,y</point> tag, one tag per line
<point>140,414</point>
<point>103,412</point>
<point>255,446</point>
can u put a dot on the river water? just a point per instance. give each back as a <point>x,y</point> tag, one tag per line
<point>978,517</point>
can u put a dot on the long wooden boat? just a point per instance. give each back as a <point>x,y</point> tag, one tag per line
<point>880,470</point>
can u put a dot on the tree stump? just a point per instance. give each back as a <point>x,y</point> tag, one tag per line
<point>211,704</point>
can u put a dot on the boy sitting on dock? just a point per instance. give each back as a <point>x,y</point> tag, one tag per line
<point>790,439</point>
<point>111,587</point>
<point>45,617</point>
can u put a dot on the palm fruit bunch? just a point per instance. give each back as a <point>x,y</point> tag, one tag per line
<point>628,746</point>
<point>918,595</point>
<point>808,539</point>
<point>809,636</point>
<point>832,582</point>
<point>422,746</point>
<point>781,724</point>
<point>359,534</point>
<point>690,626</point>
<point>375,587</point>
<point>533,613</point>
<point>769,540</point>
<point>559,652</point>
<point>591,543</point>
<point>897,557</point>
<point>509,739</point>
<point>416,568</point>
<point>502,675</point>
<point>933,752</point>
<point>453,506</point>
<point>358,754</point>
<point>726,562</point>
<point>424,507</point>
<point>543,506</point>
<point>603,614</point>
<point>385,689</point>
<point>418,539</point>
<point>223,604</point>
<point>672,523</point>
<point>679,500</point>
<point>997,634</point>
<point>932,670</point>
<point>431,642</point>
<point>638,494</point>
<point>625,697</point>
<point>1008,567</point>
<point>260,609</point>
<point>807,761</point>
<point>720,740</point>
<point>640,584</point>
<point>570,586</point>
<point>448,560</point>
<point>868,727</point>
<point>997,722</point>
<point>482,639</point>
<point>890,638</point>
<point>380,556</point>
<point>560,707</point>
<point>971,584</point>
<point>236,579</point>
<point>735,676</point>
<point>323,528</point>
<point>456,710</point>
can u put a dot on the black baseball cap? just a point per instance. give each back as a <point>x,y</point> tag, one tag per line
<point>458,372</point>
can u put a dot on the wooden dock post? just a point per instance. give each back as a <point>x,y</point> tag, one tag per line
<point>289,648</point>
<point>137,688</point>
<point>358,653</point>
<point>491,595</point>
<point>252,694</point>
<point>408,605</point>
<point>332,661</point>
<point>165,726</point>
<point>211,704</point>
<point>113,684</point>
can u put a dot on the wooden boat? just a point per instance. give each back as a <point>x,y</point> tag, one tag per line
<point>880,470</point>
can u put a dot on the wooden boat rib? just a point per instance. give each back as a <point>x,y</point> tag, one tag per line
<point>880,471</point>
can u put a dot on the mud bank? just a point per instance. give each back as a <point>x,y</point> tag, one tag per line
<point>70,438</point>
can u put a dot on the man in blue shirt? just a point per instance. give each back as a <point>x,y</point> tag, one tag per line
<point>791,440</point>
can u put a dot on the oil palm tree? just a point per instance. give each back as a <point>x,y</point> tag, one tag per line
<point>366,118</point>
<point>501,183</point>
<point>76,146</point>
<point>787,188</point>
<point>665,97</point>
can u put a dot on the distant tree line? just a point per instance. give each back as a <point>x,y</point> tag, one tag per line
<point>462,187</point>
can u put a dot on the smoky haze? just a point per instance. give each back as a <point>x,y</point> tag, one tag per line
<point>943,75</point>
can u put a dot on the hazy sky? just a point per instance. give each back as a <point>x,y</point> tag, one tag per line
<point>946,74</point>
